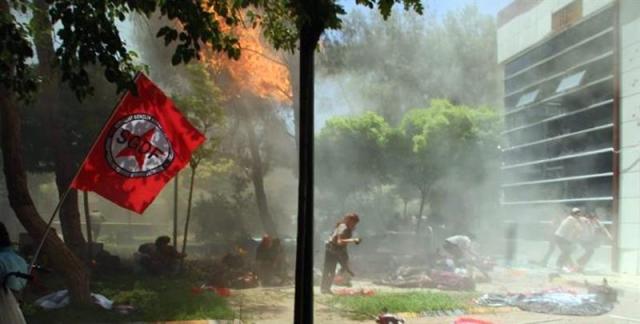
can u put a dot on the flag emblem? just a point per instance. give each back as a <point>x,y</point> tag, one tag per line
<point>137,146</point>
<point>144,144</point>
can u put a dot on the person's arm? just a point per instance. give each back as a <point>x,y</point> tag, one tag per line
<point>342,241</point>
<point>604,230</point>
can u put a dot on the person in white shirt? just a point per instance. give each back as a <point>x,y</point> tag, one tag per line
<point>593,230</point>
<point>460,247</point>
<point>566,236</point>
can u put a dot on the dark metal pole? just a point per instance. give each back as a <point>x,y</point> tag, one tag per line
<point>303,309</point>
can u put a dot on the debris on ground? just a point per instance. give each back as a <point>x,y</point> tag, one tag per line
<point>386,318</point>
<point>470,320</point>
<point>407,277</point>
<point>354,292</point>
<point>61,299</point>
<point>556,301</point>
<point>220,291</point>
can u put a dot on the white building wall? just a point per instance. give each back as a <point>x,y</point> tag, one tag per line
<point>629,204</point>
<point>534,25</point>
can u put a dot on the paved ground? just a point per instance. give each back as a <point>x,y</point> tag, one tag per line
<point>275,306</point>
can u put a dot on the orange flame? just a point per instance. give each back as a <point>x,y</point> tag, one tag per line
<point>259,70</point>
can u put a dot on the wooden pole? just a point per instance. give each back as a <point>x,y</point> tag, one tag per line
<point>186,222</point>
<point>85,199</point>
<point>175,210</point>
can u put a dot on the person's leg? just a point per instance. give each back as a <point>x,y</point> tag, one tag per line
<point>565,252</point>
<point>329,271</point>
<point>550,249</point>
<point>345,268</point>
<point>589,249</point>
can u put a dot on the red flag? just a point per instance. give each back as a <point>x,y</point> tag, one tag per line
<point>144,144</point>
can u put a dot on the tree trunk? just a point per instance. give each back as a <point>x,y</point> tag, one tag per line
<point>186,222</point>
<point>65,166</point>
<point>62,259</point>
<point>422,199</point>
<point>257,177</point>
<point>309,35</point>
<point>404,211</point>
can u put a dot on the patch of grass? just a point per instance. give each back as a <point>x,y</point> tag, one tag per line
<point>155,299</point>
<point>365,307</point>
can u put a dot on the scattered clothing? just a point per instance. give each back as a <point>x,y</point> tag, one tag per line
<point>61,299</point>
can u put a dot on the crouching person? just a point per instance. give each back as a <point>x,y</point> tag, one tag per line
<point>158,257</point>
<point>11,266</point>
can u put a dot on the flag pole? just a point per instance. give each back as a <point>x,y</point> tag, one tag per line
<point>48,229</point>
<point>69,188</point>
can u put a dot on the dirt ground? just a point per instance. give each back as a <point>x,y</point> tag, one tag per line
<point>275,305</point>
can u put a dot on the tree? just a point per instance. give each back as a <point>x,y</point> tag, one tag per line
<point>88,36</point>
<point>452,57</point>
<point>350,151</point>
<point>202,107</point>
<point>441,140</point>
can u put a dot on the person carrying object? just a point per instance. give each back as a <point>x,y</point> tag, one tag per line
<point>551,247</point>
<point>567,235</point>
<point>13,271</point>
<point>336,250</point>
<point>593,230</point>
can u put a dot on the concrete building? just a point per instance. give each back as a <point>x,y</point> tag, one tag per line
<point>572,117</point>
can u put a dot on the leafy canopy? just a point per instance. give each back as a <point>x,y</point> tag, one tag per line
<point>88,34</point>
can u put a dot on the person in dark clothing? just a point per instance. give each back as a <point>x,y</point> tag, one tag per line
<point>265,260</point>
<point>336,250</point>
<point>159,257</point>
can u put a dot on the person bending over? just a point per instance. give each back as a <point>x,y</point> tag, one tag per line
<point>336,250</point>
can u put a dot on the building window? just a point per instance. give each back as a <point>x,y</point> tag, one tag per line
<point>567,16</point>
<point>570,81</point>
<point>527,98</point>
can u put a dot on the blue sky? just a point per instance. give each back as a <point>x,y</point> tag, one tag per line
<point>490,7</point>
<point>440,7</point>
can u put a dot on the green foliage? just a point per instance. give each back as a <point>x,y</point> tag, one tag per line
<point>15,73</point>
<point>88,35</point>
<point>366,307</point>
<point>155,299</point>
<point>201,105</point>
<point>439,149</point>
<point>440,140</point>
<point>348,155</point>
<point>220,217</point>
